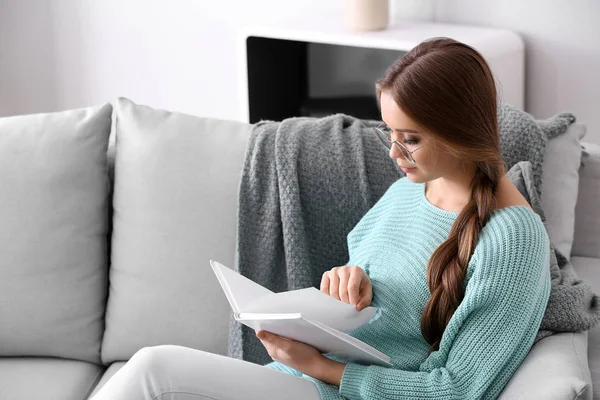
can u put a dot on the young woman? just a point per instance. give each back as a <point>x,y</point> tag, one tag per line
<point>453,257</point>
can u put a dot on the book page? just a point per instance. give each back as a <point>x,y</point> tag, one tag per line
<point>313,304</point>
<point>325,339</point>
<point>240,291</point>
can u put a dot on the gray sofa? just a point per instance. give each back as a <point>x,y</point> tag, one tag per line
<point>106,252</point>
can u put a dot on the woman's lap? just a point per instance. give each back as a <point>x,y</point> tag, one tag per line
<point>179,373</point>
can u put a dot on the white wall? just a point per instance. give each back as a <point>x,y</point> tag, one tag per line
<point>177,54</point>
<point>182,54</point>
<point>562,50</point>
<point>27,68</point>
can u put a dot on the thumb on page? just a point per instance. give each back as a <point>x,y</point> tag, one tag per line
<point>366,296</point>
<point>362,303</point>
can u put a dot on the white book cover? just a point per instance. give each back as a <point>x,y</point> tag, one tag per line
<point>306,315</point>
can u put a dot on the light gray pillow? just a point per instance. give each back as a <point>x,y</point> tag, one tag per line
<point>53,224</point>
<point>560,185</point>
<point>175,202</point>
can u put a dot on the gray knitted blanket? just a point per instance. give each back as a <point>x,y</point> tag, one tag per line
<point>306,182</point>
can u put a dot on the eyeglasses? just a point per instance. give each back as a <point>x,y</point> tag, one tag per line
<point>384,134</point>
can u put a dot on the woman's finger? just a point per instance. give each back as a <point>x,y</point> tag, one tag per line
<point>354,286</point>
<point>334,283</point>
<point>325,283</point>
<point>262,335</point>
<point>362,304</point>
<point>365,297</point>
<point>270,337</point>
<point>343,275</point>
<point>270,342</point>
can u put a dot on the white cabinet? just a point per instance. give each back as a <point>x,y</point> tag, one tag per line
<point>280,62</point>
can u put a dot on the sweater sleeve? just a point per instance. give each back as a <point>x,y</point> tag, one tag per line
<point>490,333</point>
<point>283,368</point>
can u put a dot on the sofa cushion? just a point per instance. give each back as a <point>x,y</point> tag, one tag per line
<point>589,269</point>
<point>110,371</point>
<point>174,201</point>
<point>560,185</point>
<point>27,378</point>
<point>587,216</point>
<point>555,369</point>
<point>53,222</point>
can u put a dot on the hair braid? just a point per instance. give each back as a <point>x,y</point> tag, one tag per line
<point>448,263</point>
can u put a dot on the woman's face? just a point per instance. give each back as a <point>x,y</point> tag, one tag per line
<point>432,160</point>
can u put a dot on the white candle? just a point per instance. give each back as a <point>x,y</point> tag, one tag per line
<point>367,15</point>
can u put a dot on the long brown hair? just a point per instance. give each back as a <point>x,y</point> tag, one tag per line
<point>447,87</point>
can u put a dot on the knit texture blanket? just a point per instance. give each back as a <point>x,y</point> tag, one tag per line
<point>306,182</point>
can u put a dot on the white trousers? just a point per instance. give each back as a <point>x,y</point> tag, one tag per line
<point>171,372</point>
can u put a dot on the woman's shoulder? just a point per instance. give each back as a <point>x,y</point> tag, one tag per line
<point>508,195</point>
<point>513,252</point>
<point>513,234</point>
<point>515,223</point>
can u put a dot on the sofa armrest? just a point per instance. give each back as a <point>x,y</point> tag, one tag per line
<point>556,368</point>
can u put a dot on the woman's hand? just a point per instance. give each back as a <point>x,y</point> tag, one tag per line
<point>290,352</point>
<point>302,357</point>
<point>348,284</point>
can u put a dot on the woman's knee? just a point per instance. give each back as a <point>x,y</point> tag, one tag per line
<point>155,358</point>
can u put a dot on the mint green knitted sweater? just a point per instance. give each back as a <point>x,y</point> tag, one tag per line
<point>491,332</point>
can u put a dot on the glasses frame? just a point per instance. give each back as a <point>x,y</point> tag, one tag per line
<point>387,142</point>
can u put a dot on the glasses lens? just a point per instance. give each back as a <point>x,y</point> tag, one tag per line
<point>407,156</point>
<point>383,137</point>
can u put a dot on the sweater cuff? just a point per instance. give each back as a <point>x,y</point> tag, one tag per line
<point>283,368</point>
<point>352,379</point>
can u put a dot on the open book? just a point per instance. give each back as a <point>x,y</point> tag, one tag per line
<point>306,315</point>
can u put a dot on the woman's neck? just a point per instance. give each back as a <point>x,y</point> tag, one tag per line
<point>450,193</point>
